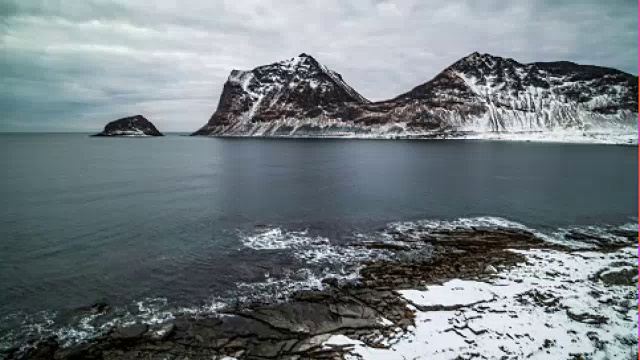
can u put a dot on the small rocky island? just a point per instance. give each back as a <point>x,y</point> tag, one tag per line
<point>136,125</point>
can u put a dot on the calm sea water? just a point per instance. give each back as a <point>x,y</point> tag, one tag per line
<point>126,219</point>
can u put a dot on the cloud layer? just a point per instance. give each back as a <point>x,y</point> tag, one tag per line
<point>75,65</point>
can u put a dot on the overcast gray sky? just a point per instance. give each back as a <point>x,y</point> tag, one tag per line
<point>75,65</point>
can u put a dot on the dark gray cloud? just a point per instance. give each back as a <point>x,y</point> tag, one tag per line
<point>74,65</point>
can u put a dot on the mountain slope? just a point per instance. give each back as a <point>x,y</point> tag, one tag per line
<point>298,88</point>
<point>479,95</point>
<point>484,93</point>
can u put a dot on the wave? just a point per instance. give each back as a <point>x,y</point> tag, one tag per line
<point>307,248</point>
<point>578,237</point>
<point>428,225</point>
<point>82,327</point>
<point>316,258</point>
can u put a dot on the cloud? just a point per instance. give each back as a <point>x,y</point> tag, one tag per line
<point>74,65</point>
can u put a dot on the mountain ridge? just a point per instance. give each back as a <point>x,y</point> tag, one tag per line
<point>478,94</point>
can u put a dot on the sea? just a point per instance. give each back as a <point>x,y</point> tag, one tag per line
<point>176,225</point>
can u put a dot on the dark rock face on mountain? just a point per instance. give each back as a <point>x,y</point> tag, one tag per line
<point>286,91</point>
<point>485,93</point>
<point>136,125</point>
<point>480,93</point>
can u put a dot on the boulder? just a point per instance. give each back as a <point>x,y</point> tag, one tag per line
<point>490,270</point>
<point>129,332</point>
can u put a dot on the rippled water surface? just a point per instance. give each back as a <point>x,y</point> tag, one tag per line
<point>181,222</point>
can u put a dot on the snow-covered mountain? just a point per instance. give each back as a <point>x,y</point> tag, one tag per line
<point>265,100</point>
<point>479,96</point>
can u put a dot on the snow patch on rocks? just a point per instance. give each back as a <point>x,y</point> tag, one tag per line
<point>453,293</point>
<point>553,307</point>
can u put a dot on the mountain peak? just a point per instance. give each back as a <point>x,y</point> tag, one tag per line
<point>483,57</point>
<point>297,63</point>
<point>296,88</point>
<point>481,64</point>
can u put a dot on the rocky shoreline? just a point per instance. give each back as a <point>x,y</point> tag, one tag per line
<point>451,277</point>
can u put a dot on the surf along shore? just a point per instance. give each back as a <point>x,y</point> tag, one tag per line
<point>456,293</point>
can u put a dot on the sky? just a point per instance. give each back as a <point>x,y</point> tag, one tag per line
<point>76,65</point>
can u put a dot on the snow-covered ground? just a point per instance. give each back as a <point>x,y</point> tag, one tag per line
<point>555,306</point>
<point>616,138</point>
<point>343,130</point>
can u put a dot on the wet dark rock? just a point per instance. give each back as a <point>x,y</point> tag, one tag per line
<point>583,236</point>
<point>629,234</point>
<point>620,239</point>
<point>99,307</point>
<point>587,318</point>
<point>129,332</point>
<point>310,343</point>
<point>162,332</point>
<point>44,350</point>
<point>546,300</point>
<point>331,281</point>
<point>621,277</point>
<point>395,246</point>
<point>314,318</point>
<point>270,348</point>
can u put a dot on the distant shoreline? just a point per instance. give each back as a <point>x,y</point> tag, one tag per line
<point>623,140</point>
<point>515,137</point>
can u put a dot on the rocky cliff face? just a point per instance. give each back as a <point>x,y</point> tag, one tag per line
<point>479,94</point>
<point>484,93</point>
<point>136,125</point>
<point>265,100</point>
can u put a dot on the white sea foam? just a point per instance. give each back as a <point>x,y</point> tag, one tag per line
<point>276,238</point>
<point>417,229</point>
<point>605,232</point>
<point>306,248</point>
<point>319,258</point>
<point>460,223</point>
